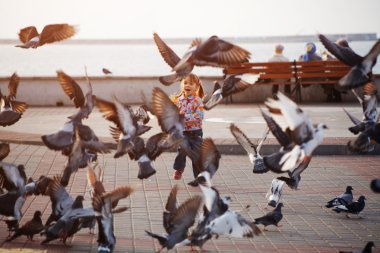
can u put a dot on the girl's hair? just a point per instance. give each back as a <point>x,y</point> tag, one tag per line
<point>194,79</point>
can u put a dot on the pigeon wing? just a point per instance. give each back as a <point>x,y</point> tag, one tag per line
<point>4,150</point>
<point>243,140</point>
<point>71,88</point>
<point>276,130</point>
<point>233,224</point>
<point>18,107</point>
<point>184,216</point>
<point>218,52</point>
<point>354,120</point>
<point>109,110</point>
<point>13,85</point>
<point>56,32</point>
<point>344,54</point>
<point>166,52</point>
<point>27,33</point>
<point>374,52</point>
<point>165,110</point>
<point>209,156</point>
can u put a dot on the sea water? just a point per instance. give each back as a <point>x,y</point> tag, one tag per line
<point>127,59</point>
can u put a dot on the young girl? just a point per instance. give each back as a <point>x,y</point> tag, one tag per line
<point>189,102</point>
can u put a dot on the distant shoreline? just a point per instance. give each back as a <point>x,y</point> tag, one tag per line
<point>261,39</point>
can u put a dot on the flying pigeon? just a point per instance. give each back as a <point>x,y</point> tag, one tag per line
<point>252,150</point>
<point>367,249</point>
<point>368,128</point>
<point>126,124</point>
<point>30,228</point>
<point>83,151</point>
<point>10,109</point>
<point>50,33</point>
<point>304,135</point>
<point>361,71</point>
<point>63,140</point>
<point>103,207</point>
<point>233,224</point>
<point>13,177</point>
<point>182,219</point>
<point>343,199</point>
<point>212,52</point>
<point>354,207</point>
<point>170,121</point>
<point>208,159</point>
<point>275,192</point>
<point>106,71</point>
<point>232,84</point>
<point>214,206</point>
<point>271,218</point>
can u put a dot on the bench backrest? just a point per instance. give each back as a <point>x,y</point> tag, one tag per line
<point>297,71</point>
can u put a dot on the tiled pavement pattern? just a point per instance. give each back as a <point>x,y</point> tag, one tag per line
<point>306,227</point>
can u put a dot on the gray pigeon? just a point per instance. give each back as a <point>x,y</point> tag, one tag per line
<point>212,52</point>
<point>252,150</point>
<point>271,218</point>
<point>30,228</point>
<point>182,219</point>
<point>10,109</point>
<point>232,84</point>
<point>361,71</point>
<point>353,208</point>
<point>343,199</point>
<point>208,159</point>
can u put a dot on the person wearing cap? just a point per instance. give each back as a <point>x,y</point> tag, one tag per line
<point>279,57</point>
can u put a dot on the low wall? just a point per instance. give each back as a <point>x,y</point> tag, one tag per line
<point>46,91</point>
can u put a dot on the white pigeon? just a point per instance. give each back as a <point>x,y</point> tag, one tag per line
<point>303,134</point>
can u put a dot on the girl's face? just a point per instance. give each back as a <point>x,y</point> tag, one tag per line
<point>189,87</point>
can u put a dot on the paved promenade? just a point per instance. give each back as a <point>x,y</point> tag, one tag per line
<point>306,227</point>
<point>37,121</point>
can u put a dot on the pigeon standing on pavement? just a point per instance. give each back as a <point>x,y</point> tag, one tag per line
<point>353,208</point>
<point>343,199</point>
<point>304,135</point>
<point>271,218</point>
<point>212,52</point>
<point>361,71</point>
<point>275,192</point>
<point>367,249</point>
<point>232,84</point>
<point>10,109</point>
<point>30,228</point>
<point>50,33</point>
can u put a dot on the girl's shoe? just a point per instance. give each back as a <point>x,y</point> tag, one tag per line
<point>178,174</point>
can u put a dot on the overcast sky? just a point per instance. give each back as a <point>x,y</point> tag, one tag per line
<point>196,18</point>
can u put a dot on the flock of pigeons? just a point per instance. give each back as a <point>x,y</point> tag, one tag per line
<point>290,125</point>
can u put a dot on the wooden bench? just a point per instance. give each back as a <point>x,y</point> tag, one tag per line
<point>297,72</point>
